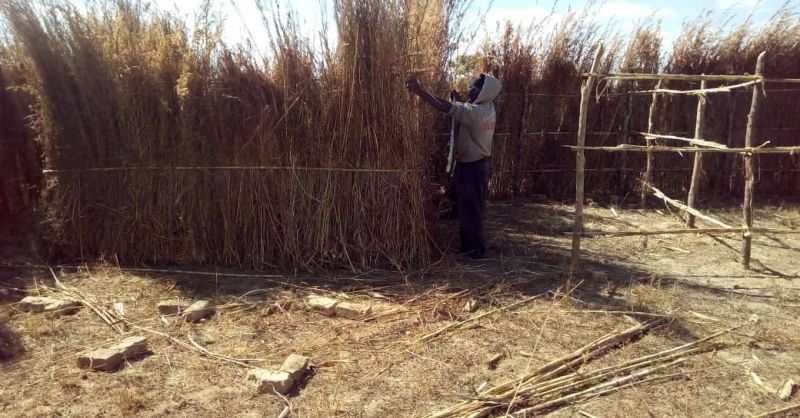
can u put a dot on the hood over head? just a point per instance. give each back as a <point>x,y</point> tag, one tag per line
<point>490,90</point>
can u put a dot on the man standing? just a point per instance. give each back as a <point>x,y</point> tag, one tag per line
<point>472,149</point>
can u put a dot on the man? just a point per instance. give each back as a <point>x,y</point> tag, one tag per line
<point>473,147</point>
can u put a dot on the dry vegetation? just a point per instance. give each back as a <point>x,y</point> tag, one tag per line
<point>308,157</point>
<point>164,145</point>
<point>384,366</point>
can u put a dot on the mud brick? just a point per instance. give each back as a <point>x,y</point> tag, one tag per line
<point>322,304</point>
<point>296,365</point>
<point>131,346</point>
<point>109,359</point>
<point>101,359</point>
<point>36,303</point>
<point>270,382</point>
<point>351,310</point>
<point>787,390</point>
<point>62,307</point>
<point>199,310</point>
<point>172,307</point>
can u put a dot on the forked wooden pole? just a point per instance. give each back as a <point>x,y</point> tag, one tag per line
<point>697,167</point>
<point>648,171</point>
<point>747,205</point>
<point>580,162</point>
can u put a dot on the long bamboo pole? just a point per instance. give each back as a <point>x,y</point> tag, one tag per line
<point>697,166</point>
<point>648,173</point>
<point>749,182</point>
<point>580,163</point>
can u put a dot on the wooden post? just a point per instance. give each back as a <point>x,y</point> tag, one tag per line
<point>729,161</point>
<point>626,132</point>
<point>747,205</point>
<point>648,172</point>
<point>517,180</point>
<point>697,167</point>
<point>580,162</point>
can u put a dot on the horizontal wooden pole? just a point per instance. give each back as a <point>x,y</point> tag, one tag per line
<point>703,92</point>
<point>678,77</point>
<point>658,148</point>
<point>695,141</point>
<point>687,231</point>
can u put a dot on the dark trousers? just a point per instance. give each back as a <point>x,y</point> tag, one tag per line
<point>471,179</point>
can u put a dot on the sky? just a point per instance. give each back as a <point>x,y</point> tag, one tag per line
<point>243,21</point>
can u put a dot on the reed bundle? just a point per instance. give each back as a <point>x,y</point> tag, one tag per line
<point>162,144</point>
<point>559,382</point>
<point>122,86</point>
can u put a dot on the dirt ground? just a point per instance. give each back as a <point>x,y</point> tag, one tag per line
<point>378,367</point>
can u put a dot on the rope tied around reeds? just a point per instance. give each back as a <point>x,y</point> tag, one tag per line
<point>229,168</point>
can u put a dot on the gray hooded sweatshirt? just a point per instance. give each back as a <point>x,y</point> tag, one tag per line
<point>477,123</point>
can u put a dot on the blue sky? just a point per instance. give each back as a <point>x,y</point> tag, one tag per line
<point>242,18</point>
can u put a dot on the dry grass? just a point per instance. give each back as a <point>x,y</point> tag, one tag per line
<point>357,363</point>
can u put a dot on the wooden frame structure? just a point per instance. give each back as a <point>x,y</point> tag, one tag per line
<point>696,145</point>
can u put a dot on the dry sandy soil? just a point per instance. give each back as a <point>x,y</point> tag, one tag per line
<point>378,367</point>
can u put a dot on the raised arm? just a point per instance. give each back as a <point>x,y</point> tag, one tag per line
<point>413,85</point>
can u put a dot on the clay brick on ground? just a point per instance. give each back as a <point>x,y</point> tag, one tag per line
<point>352,310</point>
<point>35,303</point>
<point>172,307</point>
<point>270,382</point>
<point>108,359</point>
<point>322,304</point>
<point>53,306</point>
<point>199,310</point>
<point>101,359</point>
<point>63,307</point>
<point>131,346</point>
<point>787,390</point>
<point>296,365</point>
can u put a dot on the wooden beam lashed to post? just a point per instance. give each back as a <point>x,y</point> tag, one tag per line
<point>697,167</point>
<point>648,172</point>
<point>580,161</point>
<point>749,181</point>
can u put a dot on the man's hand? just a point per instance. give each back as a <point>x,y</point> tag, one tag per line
<point>413,85</point>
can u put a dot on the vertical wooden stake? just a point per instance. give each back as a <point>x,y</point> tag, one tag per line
<point>517,180</point>
<point>580,162</point>
<point>747,205</point>
<point>697,167</point>
<point>730,159</point>
<point>626,132</point>
<point>648,171</point>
